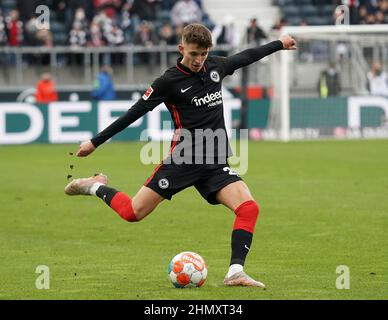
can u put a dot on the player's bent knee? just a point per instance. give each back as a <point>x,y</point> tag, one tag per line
<point>141,210</point>
<point>246,216</point>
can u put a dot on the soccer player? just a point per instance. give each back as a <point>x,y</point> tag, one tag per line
<point>192,92</point>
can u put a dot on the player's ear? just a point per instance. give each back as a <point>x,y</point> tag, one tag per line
<point>181,48</point>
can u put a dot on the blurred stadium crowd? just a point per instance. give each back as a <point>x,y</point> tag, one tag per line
<point>98,23</point>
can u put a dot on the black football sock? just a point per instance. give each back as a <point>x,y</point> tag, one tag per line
<point>106,194</point>
<point>241,243</point>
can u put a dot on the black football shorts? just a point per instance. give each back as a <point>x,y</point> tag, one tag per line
<point>208,179</point>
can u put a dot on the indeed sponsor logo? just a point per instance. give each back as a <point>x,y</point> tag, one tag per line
<point>211,99</point>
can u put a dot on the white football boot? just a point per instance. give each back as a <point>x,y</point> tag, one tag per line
<point>242,279</point>
<point>82,186</point>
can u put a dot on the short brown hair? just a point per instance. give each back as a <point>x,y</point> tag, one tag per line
<point>198,34</point>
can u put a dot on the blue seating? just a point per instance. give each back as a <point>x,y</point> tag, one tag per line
<point>312,11</point>
<point>291,11</point>
<point>319,21</point>
<point>327,10</point>
<point>286,2</point>
<point>309,10</point>
<point>294,21</point>
<point>8,5</point>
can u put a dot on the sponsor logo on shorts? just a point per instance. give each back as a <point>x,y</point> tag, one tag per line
<point>163,183</point>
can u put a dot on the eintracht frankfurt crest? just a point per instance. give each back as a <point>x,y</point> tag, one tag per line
<point>215,76</point>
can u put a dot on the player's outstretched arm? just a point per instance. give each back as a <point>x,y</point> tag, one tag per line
<point>249,56</point>
<point>87,147</point>
<point>155,95</point>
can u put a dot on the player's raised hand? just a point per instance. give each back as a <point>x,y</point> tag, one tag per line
<point>85,149</point>
<point>289,43</point>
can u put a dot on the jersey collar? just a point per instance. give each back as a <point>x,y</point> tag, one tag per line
<point>187,71</point>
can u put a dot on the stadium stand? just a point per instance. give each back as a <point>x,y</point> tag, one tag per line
<point>88,33</point>
<point>266,13</point>
<point>321,12</point>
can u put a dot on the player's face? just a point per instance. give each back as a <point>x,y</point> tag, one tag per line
<point>193,56</point>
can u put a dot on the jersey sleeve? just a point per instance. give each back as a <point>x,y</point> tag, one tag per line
<point>155,95</point>
<point>247,57</point>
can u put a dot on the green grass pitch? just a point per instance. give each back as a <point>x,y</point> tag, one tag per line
<point>323,204</point>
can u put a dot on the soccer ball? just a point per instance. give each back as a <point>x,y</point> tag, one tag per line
<point>187,269</point>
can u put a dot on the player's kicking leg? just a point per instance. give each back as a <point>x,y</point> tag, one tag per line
<point>131,210</point>
<point>238,198</point>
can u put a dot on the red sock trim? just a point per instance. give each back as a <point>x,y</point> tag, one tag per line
<point>122,204</point>
<point>246,216</point>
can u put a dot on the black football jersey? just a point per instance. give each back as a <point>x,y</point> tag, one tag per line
<point>195,104</point>
<point>196,107</point>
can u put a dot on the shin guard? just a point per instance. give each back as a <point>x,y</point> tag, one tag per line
<point>246,216</point>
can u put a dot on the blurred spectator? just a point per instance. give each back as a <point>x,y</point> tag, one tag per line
<point>377,84</point>
<point>77,37</point>
<point>371,5</point>
<point>146,37</point>
<point>128,23</point>
<point>362,13</point>
<point>80,21</point>
<point>280,24</point>
<point>44,38</point>
<point>370,19</point>
<point>255,35</point>
<point>66,9</point>
<point>96,39</point>
<point>329,83</point>
<point>103,21</point>
<point>45,89</point>
<point>145,9</point>
<point>105,33</point>
<point>63,13</point>
<point>178,33</point>
<point>226,33</point>
<point>380,17</point>
<point>110,7</point>
<point>3,31</point>
<point>186,12</point>
<point>114,36</point>
<point>383,6</point>
<point>14,28</point>
<point>166,34</point>
<point>103,88</point>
